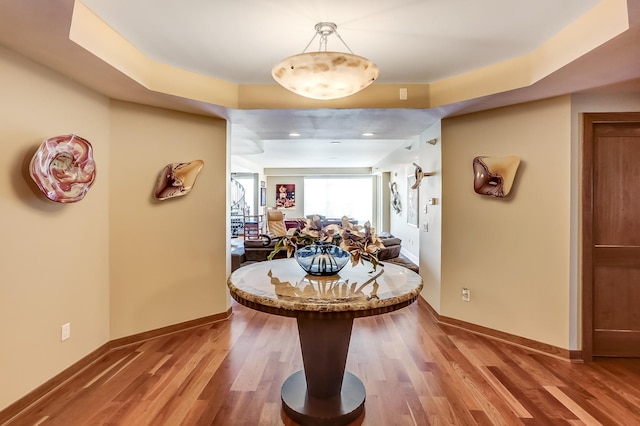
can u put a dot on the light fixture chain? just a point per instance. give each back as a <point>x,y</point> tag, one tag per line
<point>324,30</point>
<point>343,42</point>
<point>310,41</point>
<point>323,43</point>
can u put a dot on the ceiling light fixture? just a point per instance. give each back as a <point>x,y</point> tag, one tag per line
<point>325,75</point>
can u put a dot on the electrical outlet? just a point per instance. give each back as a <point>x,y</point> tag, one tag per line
<point>65,332</point>
<point>466,294</point>
<point>403,94</point>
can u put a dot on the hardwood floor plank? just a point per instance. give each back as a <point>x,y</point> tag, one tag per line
<point>248,377</point>
<point>501,388</point>
<point>490,395</point>
<point>270,414</point>
<point>194,415</point>
<point>572,405</point>
<point>474,352</point>
<point>497,411</point>
<point>416,372</point>
<point>445,414</point>
<point>481,418</point>
<point>603,416</point>
<point>538,405</point>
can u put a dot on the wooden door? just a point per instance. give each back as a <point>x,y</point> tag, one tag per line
<point>614,235</point>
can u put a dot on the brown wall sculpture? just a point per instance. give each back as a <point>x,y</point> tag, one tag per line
<point>494,176</point>
<point>177,179</point>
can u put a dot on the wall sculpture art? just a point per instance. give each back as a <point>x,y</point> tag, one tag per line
<point>63,168</point>
<point>418,174</point>
<point>177,179</point>
<point>494,176</point>
<point>395,197</point>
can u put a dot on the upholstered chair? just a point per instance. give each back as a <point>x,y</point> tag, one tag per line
<point>275,223</point>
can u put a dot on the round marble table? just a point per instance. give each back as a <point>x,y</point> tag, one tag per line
<point>324,307</point>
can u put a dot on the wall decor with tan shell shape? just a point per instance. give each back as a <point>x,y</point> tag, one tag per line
<point>493,176</point>
<point>177,179</point>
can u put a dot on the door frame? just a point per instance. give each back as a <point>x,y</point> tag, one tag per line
<point>589,120</point>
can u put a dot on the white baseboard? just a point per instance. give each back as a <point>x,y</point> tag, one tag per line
<point>410,256</point>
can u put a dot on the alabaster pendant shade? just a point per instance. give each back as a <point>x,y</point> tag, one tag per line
<point>325,75</point>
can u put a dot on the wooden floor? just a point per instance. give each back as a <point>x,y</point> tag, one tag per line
<point>416,372</point>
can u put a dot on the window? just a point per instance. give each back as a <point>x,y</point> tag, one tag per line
<point>249,183</point>
<point>335,197</point>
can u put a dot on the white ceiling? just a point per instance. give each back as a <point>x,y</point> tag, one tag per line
<point>418,41</point>
<point>411,41</point>
<point>262,136</point>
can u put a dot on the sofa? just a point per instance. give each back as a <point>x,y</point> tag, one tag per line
<point>257,251</point>
<point>300,222</point>
<point>392,247</point>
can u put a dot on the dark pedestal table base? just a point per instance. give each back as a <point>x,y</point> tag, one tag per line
<point>323,393</point>
<point>307,410</point>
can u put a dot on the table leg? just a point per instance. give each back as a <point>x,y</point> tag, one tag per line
<point>323,393</point>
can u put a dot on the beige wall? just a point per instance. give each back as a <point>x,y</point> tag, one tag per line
<point>298,181</point>
<point>54,257</point>
<point>118,262</point>
<point>431,215</point>
<point>168,262</point>
<point>512,253</point>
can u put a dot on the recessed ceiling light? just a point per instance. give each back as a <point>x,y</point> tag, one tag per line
<point>294,134</point>
<point>368,134</point>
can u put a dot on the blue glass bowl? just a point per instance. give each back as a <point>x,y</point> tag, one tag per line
<point>322,259</point>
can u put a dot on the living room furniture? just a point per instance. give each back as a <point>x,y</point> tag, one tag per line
<point>256,251</point>
<point>326,221</point>
<point>252,226</point>
<point>392,247</point>
<point>295,223</point>
<point>324,307</point>
<point>275,223</point>
<point>300,222</point>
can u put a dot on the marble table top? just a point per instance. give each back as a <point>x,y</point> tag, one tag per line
<point>281,287</point>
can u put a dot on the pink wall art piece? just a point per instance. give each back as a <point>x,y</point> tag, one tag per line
<point>63,168</point>
<point>494,176</point>
<point>177,179</point>
<point>285,195</point>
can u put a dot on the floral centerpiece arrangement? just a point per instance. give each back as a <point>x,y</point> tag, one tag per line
<point>361,242</point>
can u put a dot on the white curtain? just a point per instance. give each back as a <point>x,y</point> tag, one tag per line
<point>334,197</point>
